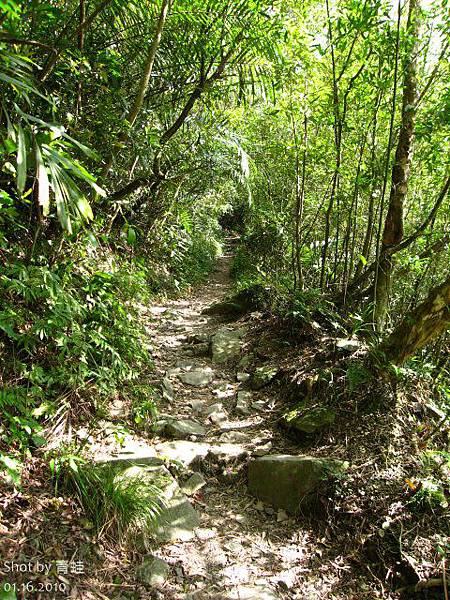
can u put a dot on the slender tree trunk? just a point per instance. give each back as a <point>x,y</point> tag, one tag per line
<point>393,226</point>
<point>53,59</point>
<point>352,223</point>
<point>371,212</point>
<point>145,78</point>
<point>80,48</point>
<point>150,59</point>
<point>337,143</point>
<point>299,202</point>
<point>420,327</point>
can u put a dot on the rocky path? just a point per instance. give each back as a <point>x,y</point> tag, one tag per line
<point>218,541</point>
<point>238,550</point>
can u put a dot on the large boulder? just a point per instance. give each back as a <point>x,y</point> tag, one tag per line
<point>226,344</point>
<point>290,482</point>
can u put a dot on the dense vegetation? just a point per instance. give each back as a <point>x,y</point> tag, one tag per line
<point>136,134</point>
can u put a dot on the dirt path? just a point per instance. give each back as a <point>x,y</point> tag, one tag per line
<point>242,549</point>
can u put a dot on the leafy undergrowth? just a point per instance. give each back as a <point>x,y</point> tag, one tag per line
<point>388,518</point>
<point>73,345</point>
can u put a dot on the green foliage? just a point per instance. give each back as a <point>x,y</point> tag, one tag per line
<point>432,488</point>
<point>19,425</point>
<point>10,468</point>
<point>113,501</point>
<point>32,145</point>
<point>357,375</point>
<point>144,403</point>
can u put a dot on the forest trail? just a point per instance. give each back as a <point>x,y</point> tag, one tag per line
<point>242,549</point>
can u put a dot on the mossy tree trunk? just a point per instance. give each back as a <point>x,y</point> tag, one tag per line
<point>421,326</point>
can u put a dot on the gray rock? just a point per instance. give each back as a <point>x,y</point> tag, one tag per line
<point>199,377</point>
<point>213,408</point>
<point>193,484</point>
<point>289,482</point>
<point>198,349</point>
<point>197,406</point>
<point>216,413</point>
<point>310,420</point>
<point>178,521</point>
<point>226,344</point>
<point>131,453</point>
<point>263,449</point>
<point>349,345</point>
<point>262,376</point>
<point>242,402</point>
<point>183,451</point>
<point>235,437</point>
<point>153,571</point>
<point>183,428</point>
<point>227,451</point>
<point>168,392</point>
<point>242,377</point>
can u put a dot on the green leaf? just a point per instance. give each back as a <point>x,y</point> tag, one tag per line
<point>131,236</point>
<point>85,208</point>
<point>21,160</point>
<point>43,183</point>
<point>61,196</point>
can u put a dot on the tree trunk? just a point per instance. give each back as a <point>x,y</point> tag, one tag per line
<point>421,326</point>
<point>150,59</point>
<point>393,226</point>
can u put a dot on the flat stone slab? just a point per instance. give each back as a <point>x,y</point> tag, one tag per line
<point>183,428</point>
<point>187,452</point>
<point>183,451</point>
<point>178,521</point>
<point>198,377</point>
<point>131,453</point>
<point>289,482</point>
<point>226,344</point>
